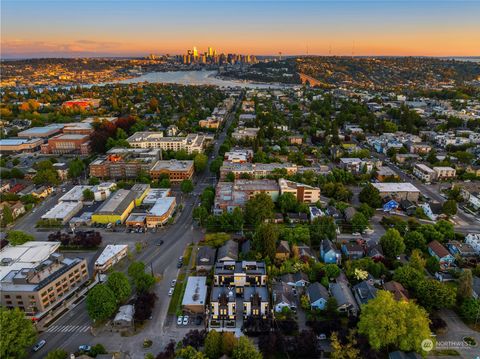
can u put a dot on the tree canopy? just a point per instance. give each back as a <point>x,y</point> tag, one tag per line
<point>18,333</point>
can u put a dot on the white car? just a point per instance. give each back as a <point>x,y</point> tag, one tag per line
<point>179,320</point>
<point>185,320</point>
<point>173,283</point>
<point>170,292</point>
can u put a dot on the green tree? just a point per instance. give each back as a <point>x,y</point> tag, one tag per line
<point>287,202</point>
<point>366,210</point>
<point>136,269</point>
<point>344,351</point>
<point>144,282</point>
<point>120,286</point>
<point>164,183</point>
<point>200,162</point>
<point>416,260</point>
<point>213,344</point>
<point>200,213</point>
<point>446,229</point>
<point>432,264</point>
<point>414,240</point>
<point>88,194</point>
<point>244,349</point>
<point>75,168</point>
<point>230,177</point>
<point>259,208</point>
<point>7,215</point>
<point>186,186</point>
<point>18,333</point>
<point>16,238</point>
<point>408,276</point>
<point>265,239</point>
<point>371,196</point>
<point>46,177</point>
<point>470,309</point>
<point>465,284</point>
<point>390,323</point>
<point>359,223</point>
<point>190,352</point>
<point>228,343</point>
<point>450,207</point>
<point>392,243</point>
<point>433,294</point>
<point>332,271</point>
<point>57,354</point>
<point>322,228</point>
<point>101,302</point>
<point>16,173</point>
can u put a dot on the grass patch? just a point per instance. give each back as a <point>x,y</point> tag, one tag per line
<point>179,290</point>
<point>444,352</point>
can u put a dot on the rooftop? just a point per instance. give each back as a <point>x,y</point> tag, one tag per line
<point>110,251</point>
<point>396,187</point>
<point>172,165</point>
<point>117,203</point>
<point>195,291</point>
<point>75,194</point>
<point>161,206</point>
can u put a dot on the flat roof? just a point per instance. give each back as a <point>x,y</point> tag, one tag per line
<point>62,210</point>
<point>172,165</point>
<point>424,168</point>
<point>75,194</point>
<point>195,291</point>
<point>17,141</point>
<point>41,131</point>
<point>161,206</point>
<point>154,194</point>
<point>117,203</point>
<point>27,255</point>
<point>70,137</point>
<point>395,187</point>
<point>109,252</point>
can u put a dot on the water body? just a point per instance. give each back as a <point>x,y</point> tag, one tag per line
<point>197,78</point>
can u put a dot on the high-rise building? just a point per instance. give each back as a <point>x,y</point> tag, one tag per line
<point>210,52</point>
<point>195,52</point>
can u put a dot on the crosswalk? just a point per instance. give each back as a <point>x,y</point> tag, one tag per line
<point>68,329</point>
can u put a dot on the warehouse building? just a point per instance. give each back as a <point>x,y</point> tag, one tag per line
<point>62,212</point>
<point>115,209</point>
<point>140,190</point>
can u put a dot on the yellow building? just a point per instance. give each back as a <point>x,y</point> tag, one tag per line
<point>141,190</point>
<point>115,209</point>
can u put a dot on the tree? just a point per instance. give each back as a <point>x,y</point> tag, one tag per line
<point>7,215</point>
<point>450,207</point>
<point>446,229</point>
<point>322,228</point>
<point>287,202</point>
<point>470,309</point>
<point>97,349</point>
<point>265,239</point>
<point>432,264</point>
<point>200,162</point>
<point>392,243</point>
<point>46,177</point>
<point>136,269</point>
<point>16,238</point>
<point>359,223</point>
<point>408,276</point>
<point>144,303</point>
<point>245,350</point>
<point>371,196</point>
<point>186,186</point>
<point>432,294</point>
<point>200,213</point>
<point>101,302</point>
<point>332,271</point>
<point>259,208</point>
<point>344,351</point>
<point>190,353</point>
<point>213,344</point>
<point>387,322</point>
<point>228,343</point>
<point>366,210</point>
<point>75,168</point>
<point>465,284</point>
<point>18,333</point>
<point>88,194</point>
<point>417,261</point>
<point>144,282</point>
<point>120,286</point>
<point>57,354</point>
<point>414,240</point>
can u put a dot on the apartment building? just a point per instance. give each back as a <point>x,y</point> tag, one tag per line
<point>443,173</point>
<point>35,278</point>
<point>238,156</point>
<point>191,143</point>
<point>245,133</point>
<point>239,290</point>
<point>255,170</point>
<point>357,165</point>
<point>177,171</point>
<point>302,192</point>
<point>424,172</point>
<point>398,191</point>
<point>67,143</point>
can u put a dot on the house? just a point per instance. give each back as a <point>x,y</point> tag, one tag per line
<point>205,258</point>
<point>124,317</point>
<point>283,251</point>
<point>375,251</point>
<point>283,296</point>
<point>432,210</point>
<point>461,249</point>
<point>349,213</point>
<point>390,206</point>
<point>335,213</point>
<point>17,208</point>
<point>363,292</point>
<point>352,250</point>
<point>228,252</point>
<point>295,280</point>
<point>344,296</point>
<point>304,252</point>
<point>298,217</point>
<point>408,206</point>
<point>317,295</point>
<point>438,251</point>
<point>473,239</point>
<point>329,253</point>
<point>398,291</point>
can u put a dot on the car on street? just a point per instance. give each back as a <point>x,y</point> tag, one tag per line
<point>173,282</point>
<point>160,242</point>
<point>180,320</point>
<point>39,345</point>
<point>185,320</point>
<point>85,348</point>
<point>170,292</point>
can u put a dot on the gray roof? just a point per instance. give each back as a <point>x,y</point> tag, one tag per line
<point>364,291</point>
<point>282,292</point>
<point>316,291</point>
<point>476,285</point>
<point>349,213</point>
<point>327,246</point>
<point>343,294</point>
<point>206,255</point>
<point>229,251</point>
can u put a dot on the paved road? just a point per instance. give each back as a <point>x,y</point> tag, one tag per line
<point>69,331</point>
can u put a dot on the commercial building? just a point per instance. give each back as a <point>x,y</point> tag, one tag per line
<point>442,173</point>
<point>19,145</point>
<point>255,170</point>
<point>238,156</point>
<point>357,165</point>
<point>191,143</point>
<point>63,211</point>
<point>195,296</point>
<point>140,190</point>
<point>398,191</point>
<point>75,194</point>
<point>154,194</point>
<point>302,192</point>
<point>423,172</point>
<point>124,163</point>
<point>230,195</point>
<point>161,211</point>
<point>384,173</point>
<point>41,132</point>
<point>115,209</point>
<point>112,254</point>
<point>177,171</point>
<point>245,133</point>
<point>36,279</point>
<point>78,128</point>
<point>66,143</point>
<point>211,123</point>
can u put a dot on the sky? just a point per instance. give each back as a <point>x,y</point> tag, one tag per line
<point>68,28</point>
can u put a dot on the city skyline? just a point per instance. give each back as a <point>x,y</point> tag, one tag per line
<point>361,28</point>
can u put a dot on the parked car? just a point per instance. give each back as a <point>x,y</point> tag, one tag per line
<point>85,348</point>
<point>173,282</point>
<point>198,320</point>
<point>180,320</point>
<point>185,320</point>
<point>179,264</point>
<point>170,292</point>
<point>160,242</point>
<point>39,345</point>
